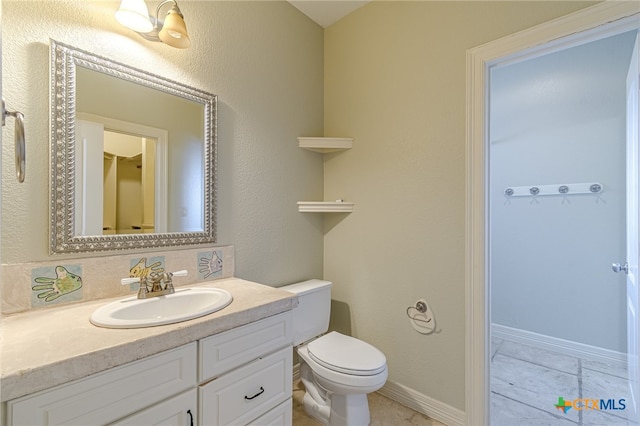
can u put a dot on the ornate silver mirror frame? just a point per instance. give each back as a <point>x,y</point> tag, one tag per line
<point>62,179</point>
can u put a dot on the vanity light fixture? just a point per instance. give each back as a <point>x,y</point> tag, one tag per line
<point>134,14</point>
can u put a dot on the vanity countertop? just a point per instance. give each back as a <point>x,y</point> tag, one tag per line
<point>43,348</point>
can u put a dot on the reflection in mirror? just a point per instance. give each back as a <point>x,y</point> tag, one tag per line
<point>133,157</point>
<point>123,185</point>
<point>128,200</point>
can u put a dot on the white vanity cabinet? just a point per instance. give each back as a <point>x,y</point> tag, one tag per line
<point>241,376</point>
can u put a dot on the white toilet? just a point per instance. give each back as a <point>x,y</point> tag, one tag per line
<point>338,371</point>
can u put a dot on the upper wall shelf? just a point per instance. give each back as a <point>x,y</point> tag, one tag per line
<point>324,145</point>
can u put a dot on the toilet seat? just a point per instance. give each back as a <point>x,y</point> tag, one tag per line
<point>347,355</point>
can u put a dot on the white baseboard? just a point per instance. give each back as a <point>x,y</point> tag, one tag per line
<point>416,401</point>
<point>424,404</point>
<point>566,347</point>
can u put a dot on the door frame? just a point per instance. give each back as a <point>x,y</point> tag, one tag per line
<point>632,257</point>
<point>593,23</point>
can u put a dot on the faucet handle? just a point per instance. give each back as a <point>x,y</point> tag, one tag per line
<point>142,291</point>
<point>168,278</point>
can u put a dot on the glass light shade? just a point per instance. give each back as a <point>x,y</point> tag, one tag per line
<point>174,31</point>
<point>135,15</point>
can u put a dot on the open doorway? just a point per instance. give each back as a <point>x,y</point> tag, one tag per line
<point>598,22</point>
<point>557,200</point>
<point>122,184</point>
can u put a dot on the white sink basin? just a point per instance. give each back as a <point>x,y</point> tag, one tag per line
<point>183,305</point>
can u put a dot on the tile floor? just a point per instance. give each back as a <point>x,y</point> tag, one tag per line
<point>384,412</point>
<point>526,383</point>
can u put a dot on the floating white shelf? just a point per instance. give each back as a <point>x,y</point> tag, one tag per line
<point>325,206</point>
<point>325,145</point>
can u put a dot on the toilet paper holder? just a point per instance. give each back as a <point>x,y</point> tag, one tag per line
<point>419,308</point>
<point>422,318</point>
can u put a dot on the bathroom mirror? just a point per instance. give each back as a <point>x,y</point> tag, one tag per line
<point>133,157</point>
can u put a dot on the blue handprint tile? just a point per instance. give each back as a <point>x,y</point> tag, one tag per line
<point>210,265</point>
<point>56,284</point>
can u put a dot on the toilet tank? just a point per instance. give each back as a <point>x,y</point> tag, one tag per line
<point>311,316</point>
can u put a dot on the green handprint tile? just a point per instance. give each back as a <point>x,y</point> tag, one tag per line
<point>51,283</point>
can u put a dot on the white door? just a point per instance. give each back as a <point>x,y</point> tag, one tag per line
<point>631,266</point>
<point>89,177</point>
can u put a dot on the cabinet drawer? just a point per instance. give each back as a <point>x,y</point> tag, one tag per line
<point>177,411</point>
<point>105,397</point>
<point>282,415</point>
<point>225,351</point>
<point>248,392</point>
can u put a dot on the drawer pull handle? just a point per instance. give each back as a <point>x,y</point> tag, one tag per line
<point>191,417</point>
<point>256,395</point>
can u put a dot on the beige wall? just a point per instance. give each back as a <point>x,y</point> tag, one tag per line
<point>395,81</point>
<point>394,78</point>
<point>264,60</point>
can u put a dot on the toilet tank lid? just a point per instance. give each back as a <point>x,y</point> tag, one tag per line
<point>308,286</point>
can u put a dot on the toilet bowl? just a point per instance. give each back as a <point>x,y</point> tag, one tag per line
<point>338,371</point>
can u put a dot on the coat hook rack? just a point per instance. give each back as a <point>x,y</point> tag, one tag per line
<point>560,189</point>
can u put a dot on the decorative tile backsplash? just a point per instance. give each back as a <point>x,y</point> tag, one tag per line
<point>38,285</point>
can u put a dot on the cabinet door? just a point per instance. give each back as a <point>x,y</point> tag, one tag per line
<point>110,395</point>
<point>282,415</point>
<point>177,411</point>
<point>245,394</point>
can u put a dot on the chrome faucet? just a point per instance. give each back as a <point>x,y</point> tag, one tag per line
<point>155,284</point>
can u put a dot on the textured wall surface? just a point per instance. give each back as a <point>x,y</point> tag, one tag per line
<point>395,81</point>
<point>264,60</point>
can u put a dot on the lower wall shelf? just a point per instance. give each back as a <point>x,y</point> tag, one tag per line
<point>325,206</point>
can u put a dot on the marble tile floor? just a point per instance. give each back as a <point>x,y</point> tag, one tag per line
<point>384,412</point>
<point>527,381</point>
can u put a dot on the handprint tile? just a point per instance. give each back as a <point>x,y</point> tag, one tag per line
<point>141,269</point>
<point>50,288</point>
<point>210,264</point>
